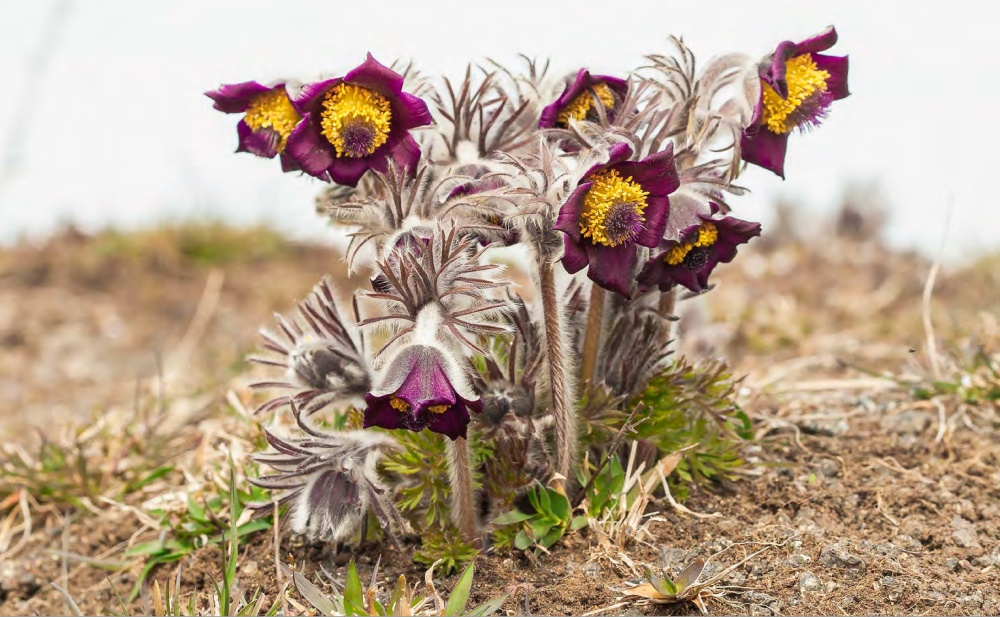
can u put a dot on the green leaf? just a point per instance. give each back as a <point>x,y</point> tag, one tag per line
<point>540,526</point>
<point>354,597</point>
<point>579,522</point>
<point>460,593</point>
<point>510,518</point>
<point>149,478</point>
<point>521,540</point>
<point>558,505</point>
<point>489,607</point>
<point>551,537</point>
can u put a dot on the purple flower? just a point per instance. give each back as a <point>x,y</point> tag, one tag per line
<point>355,123</point>
<point>616,206</point>
<point>268,118</point>
<point>690,261</point>
<point>577,99</point>
<point>797,88</point>
<point>421,388</point>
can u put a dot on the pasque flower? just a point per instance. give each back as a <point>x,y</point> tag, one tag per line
<point>798,85</point>
<point>617,206</point>
<point>330,480</point>
<point>268,117</point>
<point>422,387</point>
<point>689,261</point>
<point>577,100</point>
<point>355,123</point>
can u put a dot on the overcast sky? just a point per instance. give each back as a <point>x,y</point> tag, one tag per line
<point>116,129</point>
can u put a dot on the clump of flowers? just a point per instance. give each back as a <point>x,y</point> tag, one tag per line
<point>458,391</point>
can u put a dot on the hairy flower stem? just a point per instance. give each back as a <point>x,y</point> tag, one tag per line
<point>592,336</point>
<point>668,302</point>
<point>562,399</point>
<point>463,510</point>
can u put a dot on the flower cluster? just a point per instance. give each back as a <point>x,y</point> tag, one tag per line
<point>627,178</point>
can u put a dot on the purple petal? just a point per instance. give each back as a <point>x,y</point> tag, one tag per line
<point>410,111</point>
<point>309,150</point>
<point>378,412</point>
<point>426,384</point>
<point>347,171</point>
<point>235,98</point>
<point>656,214</point>
<point>373,75</point>
<point>617,153</point>
<point>568,220</point>
<point>453,423</point>
<point>821,42</point>
<point>732,233</point>
<point>836,66</point>
<point>574,256</point>
<point>310,96</point>
<point>764,148</point>
<point>775,74</point>
<point>656,173</point>
<point>288,164</point>
<point>611,266</point>
<point>262,142</point>
<point>406,153</point>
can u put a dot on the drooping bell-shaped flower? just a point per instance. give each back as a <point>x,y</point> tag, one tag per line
<point>689,261</point>
<point>355,123</point>
<point>798,84</point>
<point>577,100</point>
<point>268,118</point>
<point>422,387</point>
<point>618,206</point>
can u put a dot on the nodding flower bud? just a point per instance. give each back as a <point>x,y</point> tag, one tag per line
<point>329,479</point>
<point>320,359</point>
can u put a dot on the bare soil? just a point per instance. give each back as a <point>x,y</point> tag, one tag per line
<point>872,500</point>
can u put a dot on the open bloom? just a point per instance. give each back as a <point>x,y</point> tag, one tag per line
<point>422,388</point>
<point>268,118</point>
<point>797,88</point>
<point>355,123</point>
<point>690,261</point>
<point>577,100</point>
<point>617,206</point>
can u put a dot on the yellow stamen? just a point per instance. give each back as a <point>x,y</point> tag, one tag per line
<point>399,405</point>
<point>609,189</point>
<point>272,110</point>
<point>438,408</point>
<point>346,106</point>
<point>708,234</point>
<point>804,80</point>
<point>578,107</point>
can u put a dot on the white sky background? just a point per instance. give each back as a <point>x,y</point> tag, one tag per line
<point>121,134</point>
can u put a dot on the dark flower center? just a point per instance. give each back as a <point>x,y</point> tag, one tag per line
<point>357,139</point>
<point>696,258</point>
<point>622,222</point>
